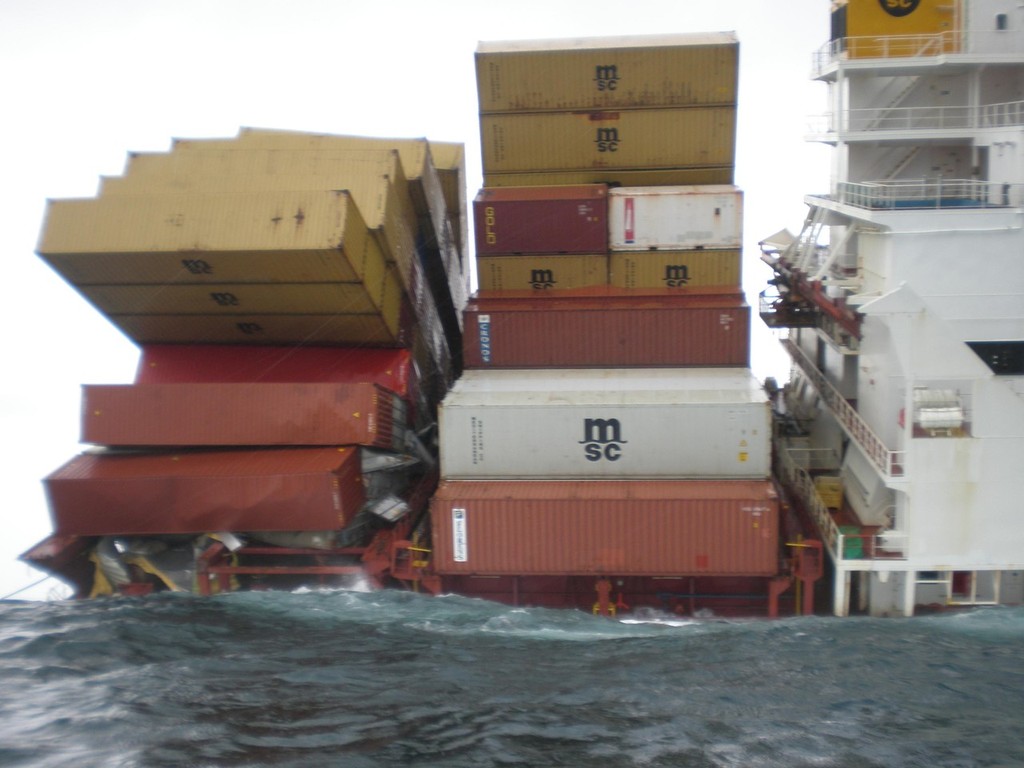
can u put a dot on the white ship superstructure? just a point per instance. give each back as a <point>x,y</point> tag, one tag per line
<point>901,431</point>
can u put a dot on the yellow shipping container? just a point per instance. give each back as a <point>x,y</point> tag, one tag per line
<point>694,137</point>
<point>874,28</point>
<point>371,330</point>
<point>607,73</point>
<point>620,177</point>
<point>375,180</point>
<point>248,298</point>
<point>497,273</point>
<point>307,236</point>
<point>425,182</point>
<point>675,269</point>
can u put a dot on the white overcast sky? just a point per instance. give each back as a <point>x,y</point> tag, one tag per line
<point>84,83</point>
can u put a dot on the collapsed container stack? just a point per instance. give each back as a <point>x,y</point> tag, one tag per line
<point>297,300</point>
<point>607,445</point>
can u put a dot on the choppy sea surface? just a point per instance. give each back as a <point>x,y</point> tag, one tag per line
<point>340,678</point>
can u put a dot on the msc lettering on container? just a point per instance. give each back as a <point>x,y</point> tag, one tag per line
<point>602,439</point>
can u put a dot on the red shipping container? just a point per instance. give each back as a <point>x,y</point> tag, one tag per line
<point>192,492</point>
<point>626,528</point>
<point>183,363</point>
<point>260,414</point>
<point>557,219</point>
<point>607,327</point>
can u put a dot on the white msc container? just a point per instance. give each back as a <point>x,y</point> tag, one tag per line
<point>630,423</point>
<point>675,218</point>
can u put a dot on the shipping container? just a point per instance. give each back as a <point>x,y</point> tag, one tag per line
<point>417,161</point>
<point>675,269</point>
<point>643,218</point>
<point>616,177</point>
<point>251,298</point>
<point>531,220</point>
<point>242,328</point>
<point>392,369</point>
<point>613,327</point>
<point>313,236</point>
<point>374,179</point>
<point>450,161</point>
<point>203,491</point>
<point>237,414</point>
<point>607,73</point>
<point>541,273</point>
<point>622,424</point>
<point>606,528</point>
<point>638,139</point>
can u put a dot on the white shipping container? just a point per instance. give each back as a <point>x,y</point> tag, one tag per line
<point>634,423</point>
<point>704,216</point>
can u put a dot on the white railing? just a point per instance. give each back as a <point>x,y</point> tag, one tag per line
<point>843,547</point>
<point>931,118</point>
<point>1009,113</point>
<point>890,463</point>
<point>884,47</point>
<point>941,193</point>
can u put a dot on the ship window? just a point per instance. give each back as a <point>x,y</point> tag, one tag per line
<point>1002,22</point>
<point>1005,358</point>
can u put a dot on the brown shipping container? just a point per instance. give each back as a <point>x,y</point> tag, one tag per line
<point>607,72</point>
<point>626,528</point>
<point>512,220</point>
<point>258,414</point>
<point>694,137</point>
<point>191,492</point>
<point>674,269</point>
<point>536,272</point>
<point>624,177</point>
<point>215,363</point>
<point>609,327</point>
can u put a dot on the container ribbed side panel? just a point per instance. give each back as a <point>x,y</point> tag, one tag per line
<point>260,414</point>
<point>625,529</point>
<point>613,329</point>
<point>191,492</point>
<point>215,363</point>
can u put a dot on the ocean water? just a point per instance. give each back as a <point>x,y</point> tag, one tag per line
<point>340,678</point>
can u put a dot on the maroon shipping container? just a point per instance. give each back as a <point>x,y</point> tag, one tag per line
<point>182,363</point>
<point>559,219</point>
<point>626,528</point>
<point>191,492</point>
<point>261,414</point>
<point>606,328</point>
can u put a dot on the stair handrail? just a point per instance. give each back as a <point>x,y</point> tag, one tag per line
<point>889,462</point>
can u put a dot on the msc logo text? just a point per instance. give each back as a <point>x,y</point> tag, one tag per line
<point>602,439</point>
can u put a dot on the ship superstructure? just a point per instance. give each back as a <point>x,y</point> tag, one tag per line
<point>901,430</point>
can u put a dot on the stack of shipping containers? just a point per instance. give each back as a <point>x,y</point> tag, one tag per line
<point>297,300</point>
<point>607,445</point>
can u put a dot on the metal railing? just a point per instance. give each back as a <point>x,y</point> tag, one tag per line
<point>842,546</point>
<point>948,117</point>
<point>921,195</point>
<point>890,463</point>
<point>884,47</point>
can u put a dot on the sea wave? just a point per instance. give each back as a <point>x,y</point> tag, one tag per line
<point>356,678</point>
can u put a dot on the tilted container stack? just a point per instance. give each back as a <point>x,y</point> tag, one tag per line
<point>297,300</point>
<point>607,444</point>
